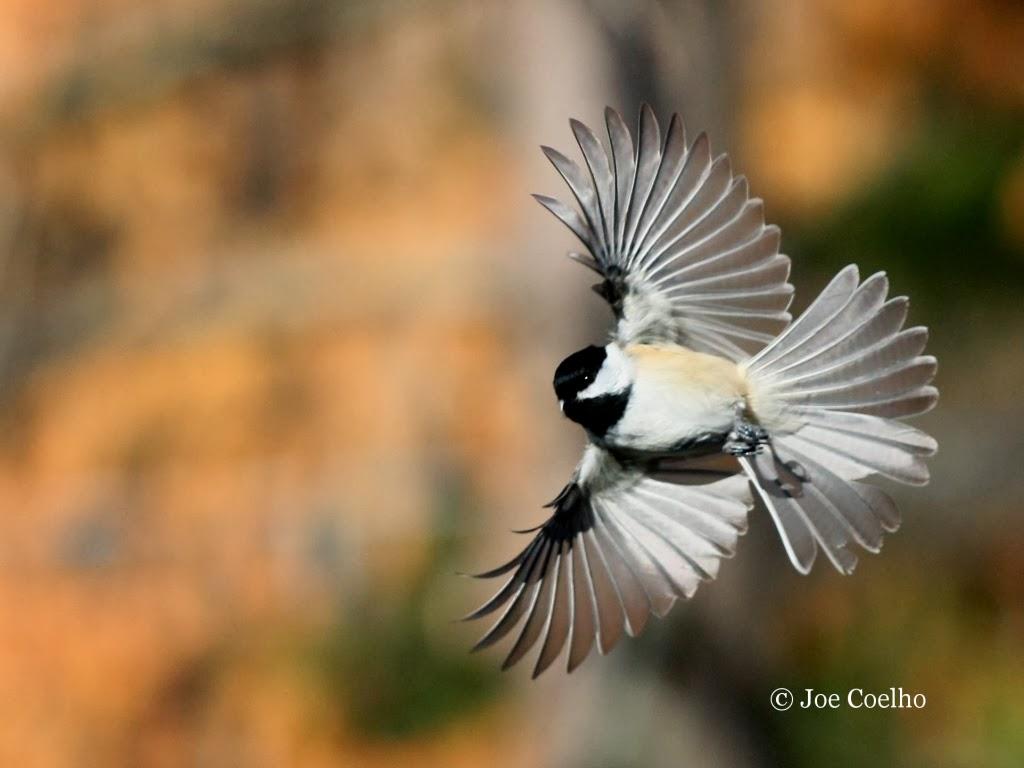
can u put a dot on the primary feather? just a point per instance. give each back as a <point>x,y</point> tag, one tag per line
<point>621,545</point>
<point>685,252</point>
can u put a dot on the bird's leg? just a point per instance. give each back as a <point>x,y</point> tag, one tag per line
<point>746,437</point>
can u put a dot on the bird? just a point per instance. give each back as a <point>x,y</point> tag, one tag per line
<point>706,396</point>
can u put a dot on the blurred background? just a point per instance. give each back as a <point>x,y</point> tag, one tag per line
<point>277,325</point>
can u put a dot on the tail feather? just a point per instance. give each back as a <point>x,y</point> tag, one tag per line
<point>861,351</point>
<point>803,516</point>
<point>828,390</point>
<point>829,301</point>
<point>853,512</point>
<point>903,404</point>
<point>888,431</point>
<point>881,504</point>
<point>797,536</point>
<point>863,456</point>
<point>869,388</point>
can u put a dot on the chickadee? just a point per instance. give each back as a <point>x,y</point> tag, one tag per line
<point>704,366</point>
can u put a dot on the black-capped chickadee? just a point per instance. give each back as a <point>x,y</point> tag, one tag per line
<point>705,394</point>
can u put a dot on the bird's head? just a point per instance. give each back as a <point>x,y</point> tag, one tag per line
<point>593,386</point>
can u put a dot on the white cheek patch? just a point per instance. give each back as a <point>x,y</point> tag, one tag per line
<point>616,375</point>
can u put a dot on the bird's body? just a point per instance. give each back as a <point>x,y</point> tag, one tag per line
<point>681,400</point>
<point>704,362</point>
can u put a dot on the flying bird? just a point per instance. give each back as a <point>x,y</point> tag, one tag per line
<point>706,395</point>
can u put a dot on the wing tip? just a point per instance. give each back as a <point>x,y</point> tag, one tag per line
<point>552,154</point>
<point>847,272</point>
<point>612,116</point>
<point>579,128</point>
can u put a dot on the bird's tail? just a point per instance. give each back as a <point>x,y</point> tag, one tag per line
<point>829,390</point>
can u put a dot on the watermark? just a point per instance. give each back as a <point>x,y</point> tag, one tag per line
<point>783,699</point>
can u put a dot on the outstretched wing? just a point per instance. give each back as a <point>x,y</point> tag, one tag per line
<point>683,250</point>
<point>620,546</point>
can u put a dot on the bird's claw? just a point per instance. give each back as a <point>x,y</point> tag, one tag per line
<point>746,439</point>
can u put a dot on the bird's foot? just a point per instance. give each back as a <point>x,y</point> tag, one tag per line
<point>746,439</point>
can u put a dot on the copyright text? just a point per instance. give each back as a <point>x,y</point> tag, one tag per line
<point>783,699</point>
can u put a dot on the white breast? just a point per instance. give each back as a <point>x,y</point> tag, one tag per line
<point>677,395</point>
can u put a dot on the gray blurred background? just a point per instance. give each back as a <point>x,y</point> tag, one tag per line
<point>277,328</point>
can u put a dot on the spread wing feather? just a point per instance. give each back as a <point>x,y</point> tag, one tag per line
<point>684,251</point>
<point>621,545</point>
